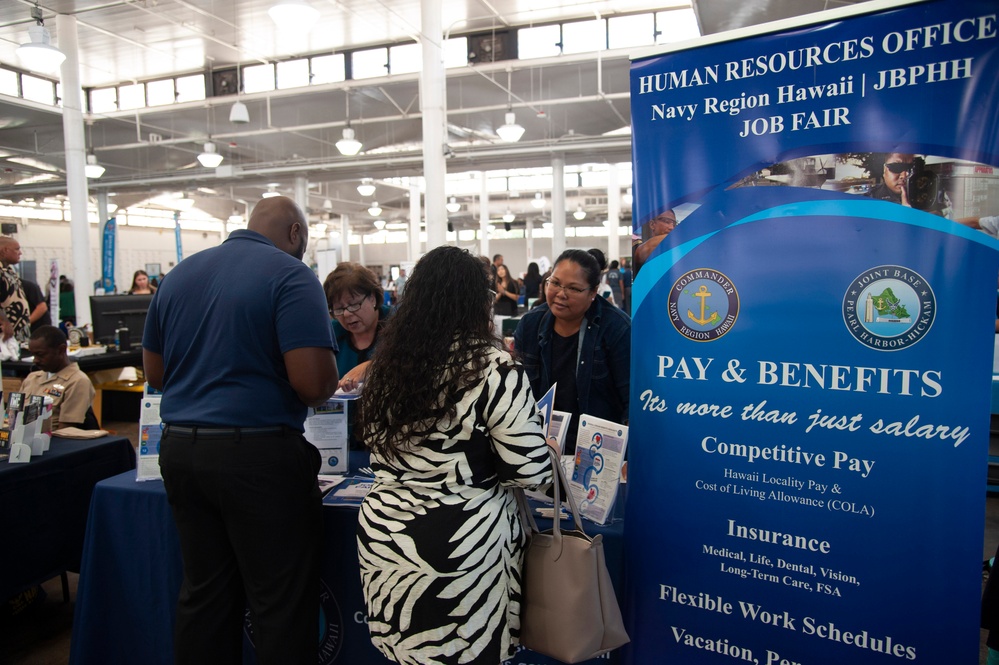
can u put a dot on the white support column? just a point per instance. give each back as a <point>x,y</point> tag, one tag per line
<point>432,106</point>
<point>302,194</point>
<point>344,238</point>
<point>413,247</point>
<point>529,237</point>
<point>483,215</point>
<point>76,160</point>
<point>558,205</point>
<point>360,248</point>
<point>613,215</point>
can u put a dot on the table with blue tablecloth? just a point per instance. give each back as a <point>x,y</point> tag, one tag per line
<point>44,507</point>
<point>132,573</point>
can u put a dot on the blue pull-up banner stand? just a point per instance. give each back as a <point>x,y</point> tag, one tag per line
<point>811,370</point>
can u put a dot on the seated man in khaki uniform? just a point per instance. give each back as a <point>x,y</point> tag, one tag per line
<point>70,389</point>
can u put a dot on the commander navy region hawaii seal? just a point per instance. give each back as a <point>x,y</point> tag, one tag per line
<point>703,305</point>
<point>889,308</point>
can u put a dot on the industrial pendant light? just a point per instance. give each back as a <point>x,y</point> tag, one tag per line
<point>92,168</point>
<point>511,131</point>
<point>580,213</point>
<point>39,54</point>
<point>508,216</point>
<point>375,209</point>
<point>348,145</point>
<point>366,188</point>
<point>453,206</point>
<point>210,158</point>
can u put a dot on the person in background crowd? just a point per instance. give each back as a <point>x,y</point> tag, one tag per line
<point>613,279</point>
<point>355,300</point>
<point>67,301</point>
<point>493,269</point>
<point>140,284</point>
<point>895,174</point>
<point>506,292</point>
<point>603,289</point>
<point>452,428</point>
<point>532,283</point>
<point>238,338</point>
<point>626,284</point>
<point>658,228</point>
<point>37,305</point>
<point>400,284</point>
<point>71,390</point>
<point>579,341</point>
<point>14,310</point>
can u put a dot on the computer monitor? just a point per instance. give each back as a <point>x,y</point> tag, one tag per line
<point>107,311</point>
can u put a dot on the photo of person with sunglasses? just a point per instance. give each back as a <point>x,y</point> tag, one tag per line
<point>898,168</point>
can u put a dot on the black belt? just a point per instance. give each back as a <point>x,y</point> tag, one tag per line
<point>219,432</point>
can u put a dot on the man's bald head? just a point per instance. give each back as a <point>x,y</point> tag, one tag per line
<point>282,222</point>
<point>10,251</point>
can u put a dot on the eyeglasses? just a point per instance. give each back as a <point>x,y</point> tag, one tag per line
<point>899,167</point>
<point>567,290</point>
<point>353,307</point>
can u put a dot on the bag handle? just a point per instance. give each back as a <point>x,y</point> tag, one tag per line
<point>527,518</point>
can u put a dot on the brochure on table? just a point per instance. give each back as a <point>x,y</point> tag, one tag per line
<point>326,429</point>
<point>596,473</point>
<point>18,429</point>
<point>150,433</point>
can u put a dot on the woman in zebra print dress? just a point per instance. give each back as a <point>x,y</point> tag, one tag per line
<point>452,428</point>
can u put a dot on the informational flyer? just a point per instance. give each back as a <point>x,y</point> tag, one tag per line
<point>810,378</point>
<point>147,464</point>
<point>596,471</point>
<point>326,429</point>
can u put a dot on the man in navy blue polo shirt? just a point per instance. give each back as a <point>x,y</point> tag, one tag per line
<point>238,338</point>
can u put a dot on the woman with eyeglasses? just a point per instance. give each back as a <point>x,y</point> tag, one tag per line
<point>580,342</point>
<point>452,428</point>
<point>355,299</point>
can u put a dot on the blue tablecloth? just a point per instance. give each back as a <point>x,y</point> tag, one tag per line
<point>132,572</point>
<point>43,507</point>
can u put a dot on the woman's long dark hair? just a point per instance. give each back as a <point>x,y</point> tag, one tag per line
<point>431,350</point>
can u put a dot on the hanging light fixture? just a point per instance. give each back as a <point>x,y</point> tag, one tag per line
<point>511,131</point>
<point>39,54</point>
<point>538,201</point>
<point>327,205</point>
<point>366,188</point>
<point>508,216</point>
<point>375,209</point>
<point>239,114</point>
<point>348,145</point>
<point>235,218</point>
<point>379,224</point>
<point>453,206</point>
<point>627,198</point>
<point>271,191</point>
<point>293,14</point>
<point>210,158</point>
<point>92,168</point>
<point>580,213</point>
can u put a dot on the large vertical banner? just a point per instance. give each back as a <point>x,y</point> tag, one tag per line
<point>810,369</point>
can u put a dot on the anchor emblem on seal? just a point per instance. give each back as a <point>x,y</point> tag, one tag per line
<point>703,294</point>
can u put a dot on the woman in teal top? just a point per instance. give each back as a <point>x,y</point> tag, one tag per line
<point>355,300</point>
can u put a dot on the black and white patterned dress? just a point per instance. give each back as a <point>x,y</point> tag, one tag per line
<point>439,537</point>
